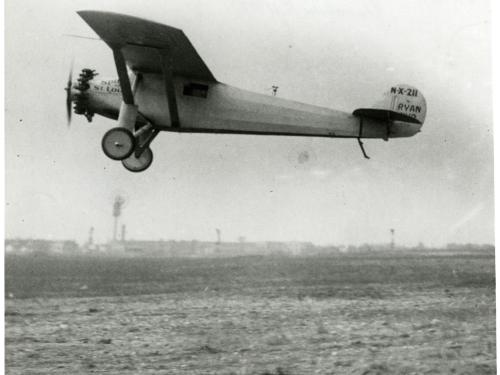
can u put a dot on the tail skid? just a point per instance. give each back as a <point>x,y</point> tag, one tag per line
<point>363,149</point>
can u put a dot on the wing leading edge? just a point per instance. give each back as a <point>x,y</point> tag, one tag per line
<point>141,41</point>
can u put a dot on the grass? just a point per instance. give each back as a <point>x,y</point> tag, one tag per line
<point>346,276</point>
<point>347,314</point>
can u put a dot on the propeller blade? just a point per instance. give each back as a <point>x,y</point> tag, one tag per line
<point>81,37</point>
<point>68,95</point>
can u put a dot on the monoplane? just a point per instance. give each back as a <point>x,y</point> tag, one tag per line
<point>164,85</point>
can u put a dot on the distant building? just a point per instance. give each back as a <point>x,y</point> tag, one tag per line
<point>38,246</point>
<point>196,248</point>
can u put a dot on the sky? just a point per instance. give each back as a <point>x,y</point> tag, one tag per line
<point>434,188</point>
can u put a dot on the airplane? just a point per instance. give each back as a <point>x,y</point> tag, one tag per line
<point>164,85</point>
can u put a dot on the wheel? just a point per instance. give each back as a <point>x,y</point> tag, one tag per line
<point>139,164</point>
<point>118,143</point>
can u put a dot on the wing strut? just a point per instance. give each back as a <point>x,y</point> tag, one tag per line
<point>127,116</point>
<point>167,68</point>
<point>128,108</point>
<point>359,138</point>
<point>121,68</point>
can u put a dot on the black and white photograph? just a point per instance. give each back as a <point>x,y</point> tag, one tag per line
<point>235,187</point>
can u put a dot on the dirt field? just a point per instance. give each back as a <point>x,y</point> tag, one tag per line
<point>363,314</point>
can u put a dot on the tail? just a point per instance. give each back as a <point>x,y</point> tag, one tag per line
<point>400,103</point>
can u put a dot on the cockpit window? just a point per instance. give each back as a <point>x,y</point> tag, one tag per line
<point>195,89</point>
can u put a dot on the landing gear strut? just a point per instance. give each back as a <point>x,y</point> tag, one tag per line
<point>142,157</point>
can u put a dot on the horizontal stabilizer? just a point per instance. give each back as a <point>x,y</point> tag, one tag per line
<point>384,114</point>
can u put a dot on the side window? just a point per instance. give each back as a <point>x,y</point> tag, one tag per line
<point>195,89</point>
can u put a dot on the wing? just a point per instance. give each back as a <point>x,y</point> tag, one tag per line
<point>140,41</point>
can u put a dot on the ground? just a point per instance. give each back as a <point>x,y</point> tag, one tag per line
<point>343,314</point>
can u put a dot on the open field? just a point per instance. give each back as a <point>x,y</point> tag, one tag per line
<point>345,314</point>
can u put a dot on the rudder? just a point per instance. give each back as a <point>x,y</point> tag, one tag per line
<point>406,100</point>
<point>400,103</point>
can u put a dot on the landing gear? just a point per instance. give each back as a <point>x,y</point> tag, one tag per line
<point>139,163</point>
<point>131,148</point>
<point>128,142</point>
<point>118,143</point>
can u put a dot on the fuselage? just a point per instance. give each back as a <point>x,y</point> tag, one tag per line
<point>213,107</point>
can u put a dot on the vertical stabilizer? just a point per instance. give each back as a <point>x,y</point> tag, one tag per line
<point>406,100</point>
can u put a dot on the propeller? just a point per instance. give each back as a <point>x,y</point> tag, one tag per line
<point>68,95</point>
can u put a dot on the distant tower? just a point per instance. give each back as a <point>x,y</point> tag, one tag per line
<point>218,235</point>
<point>124,231</point>
<point>392,238</point>
<point>117,211</point>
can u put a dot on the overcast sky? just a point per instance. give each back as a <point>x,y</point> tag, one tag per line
<point>435,188</point>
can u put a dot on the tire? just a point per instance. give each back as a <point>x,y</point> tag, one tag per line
<point>118,143</point>
<point>140,164</point>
